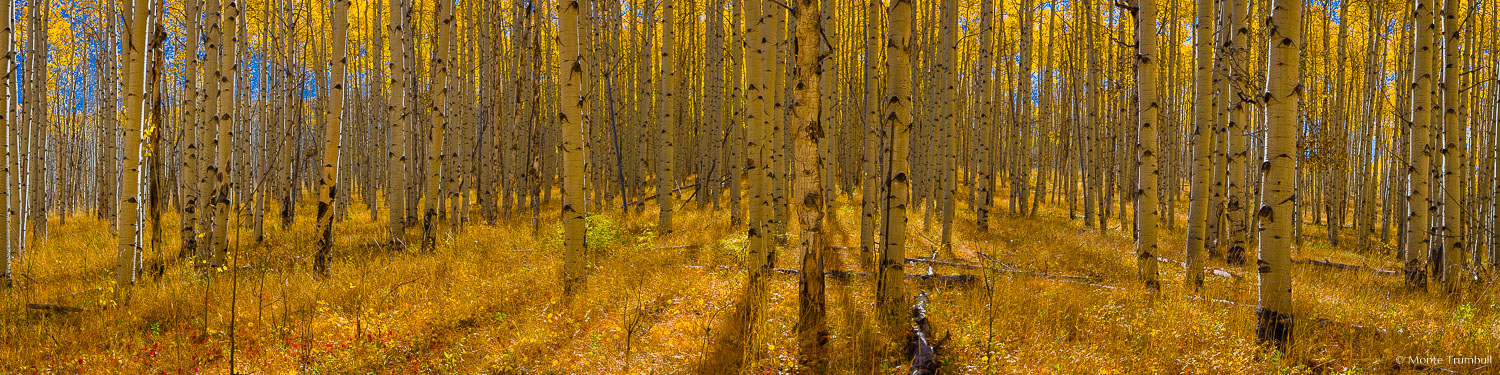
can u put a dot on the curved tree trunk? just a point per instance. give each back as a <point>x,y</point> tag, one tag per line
<point>334,115</point>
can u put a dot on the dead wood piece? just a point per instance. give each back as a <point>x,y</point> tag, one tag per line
<point>844,275</point>
<point>955,279</point>
<point>1356,327</point>
<point>950,264</point>
<point>1215,300</point>
<point>53,308</point>
<point>923,350</point>
<point>1211,270</point>
<point>1344,266</point>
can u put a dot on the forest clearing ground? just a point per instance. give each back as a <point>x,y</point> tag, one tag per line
<point>487,301</point>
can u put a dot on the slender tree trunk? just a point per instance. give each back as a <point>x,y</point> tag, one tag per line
<point>6,100</point>
<point>985,134</point>
<point>897,121</point>
<point>191,129</point>
<point>1455,174</point>
<point>1146,164</point>
<point>396,157</point>
<point>869,162</point>
<point>1237,143</point>
<point>1202,139</point>
<point>437,122</point>
<point>1421,206</point>
<point>570,122</point>
<point>135,75</point>
<point>228,69</point>
<point>666,126</point>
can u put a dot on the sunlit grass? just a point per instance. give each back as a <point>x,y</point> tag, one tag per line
<point>487,301</point>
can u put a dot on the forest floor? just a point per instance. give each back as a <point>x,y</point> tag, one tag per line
<point>487,301</point>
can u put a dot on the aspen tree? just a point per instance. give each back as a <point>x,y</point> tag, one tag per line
<point>332,134</point>
<point>1420,204</point>
<point>948,166</point>
<point>758,69</point>
<point>737,123</point>
<point>1274,317</point>
<point>1146,164</point>
<point>40,117</point>
<point>570,122</point>
<point>396,159</point>
<point>109,163</point>
<point>208,159</point>
<point>777,141</point>
<point>414,69</point>
<point>1455,173</point>
<point>1237,143</point>
<point>869,185</point>
<point>713,98</point>
<point>666,126</point>
<point>1025,119</point>
<point>897,120</point>
<point>1202,140</point>
<point>812,329</point>
<point>437,122</point>
<point>135,75</point>
<point>192,133</point>
<point>152,130</point>
<point>7,59</point>
<point>1215,238</point>
<point>984,87</point>
<point>228,69</point>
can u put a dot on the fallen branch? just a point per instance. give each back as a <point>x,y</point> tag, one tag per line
<point>653,196</point>
<point>53,308</point>
<point>1344,266</point>
<point>1069,278</point>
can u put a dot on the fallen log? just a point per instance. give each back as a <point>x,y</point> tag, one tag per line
<point>845,275</point>
<point>923,350</point>
<point>1068,278</point>
<point>1344,266</point>
<point>1211,270</point>
<point>950,264</point>
<point>1215,300</point>
<point>53,308</point>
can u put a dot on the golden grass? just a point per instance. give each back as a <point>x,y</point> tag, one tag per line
<point>487,301</point>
